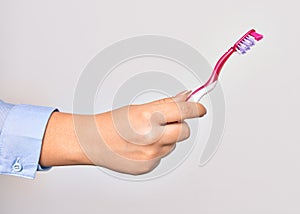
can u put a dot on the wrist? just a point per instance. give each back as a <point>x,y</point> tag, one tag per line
<point>60,143</point>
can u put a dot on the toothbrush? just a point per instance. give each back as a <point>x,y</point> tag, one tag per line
<point>241,46</point>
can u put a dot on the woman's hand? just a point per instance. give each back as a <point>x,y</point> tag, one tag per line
<point>132,139</point>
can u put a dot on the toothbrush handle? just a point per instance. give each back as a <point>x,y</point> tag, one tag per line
<point>199,92</point>
<point>197,96</point>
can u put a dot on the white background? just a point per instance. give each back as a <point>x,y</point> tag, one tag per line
<point>45,45</point>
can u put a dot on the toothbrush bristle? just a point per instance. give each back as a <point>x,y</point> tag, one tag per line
<point>247,41</point>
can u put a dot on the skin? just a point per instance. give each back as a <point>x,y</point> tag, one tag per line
<point>132,139</point>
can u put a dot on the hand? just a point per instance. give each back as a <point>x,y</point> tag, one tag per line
<point>132,139</point>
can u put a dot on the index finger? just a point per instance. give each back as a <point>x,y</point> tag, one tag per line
<point>178,111</point>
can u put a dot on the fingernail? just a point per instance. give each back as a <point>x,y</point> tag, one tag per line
<point>182,96</point>
<point>181,93</point>
<point>188,92</point>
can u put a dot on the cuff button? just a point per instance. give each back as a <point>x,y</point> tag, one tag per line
<point>17,167</point>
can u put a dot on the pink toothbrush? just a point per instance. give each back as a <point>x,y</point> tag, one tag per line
<point>241,46</point>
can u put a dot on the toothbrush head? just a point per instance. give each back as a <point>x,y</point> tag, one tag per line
<point>241,46</point>
<point>247,41</point>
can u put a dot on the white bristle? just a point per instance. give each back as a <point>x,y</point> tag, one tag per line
<point>251,39</point>
<point>248,42</point>
<point>238,50</point>
<point>243,48</point>
<point>245,45</point>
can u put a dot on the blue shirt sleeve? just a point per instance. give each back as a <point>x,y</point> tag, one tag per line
<point>4,109</point>
<point>22,128</point>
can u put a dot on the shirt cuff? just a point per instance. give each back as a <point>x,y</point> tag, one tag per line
<point>21,140</point>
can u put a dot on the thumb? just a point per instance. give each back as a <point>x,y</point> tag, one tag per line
<point>180,97</point>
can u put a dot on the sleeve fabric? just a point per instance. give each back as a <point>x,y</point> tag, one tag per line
<point>4,109</point>
<point>22,128</point>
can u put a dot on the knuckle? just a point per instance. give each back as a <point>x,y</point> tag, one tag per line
<point>172,148</point>
<point>156,117</point>
<point>185,109</point>
<point>184,132</point>
<point>145,114</point>
<point>169,149</point>
<point>150,137</point>
<point>187,131</point>
<point>145,167</point>
<point>150,153</point>
<point>152,134</point>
